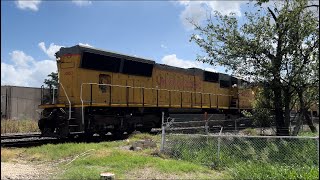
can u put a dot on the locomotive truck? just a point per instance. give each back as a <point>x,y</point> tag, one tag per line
<point>102,91</point>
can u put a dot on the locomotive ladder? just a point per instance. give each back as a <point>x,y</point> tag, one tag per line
<point>69,110</point>
<point>65,93</point>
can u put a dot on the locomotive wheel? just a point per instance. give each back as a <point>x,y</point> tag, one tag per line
<point>45,128</point>
<point>41,125</point>
<point>48,131</point>
<point>146,130</point>
<point>118,134</point>
<point>129,131</point>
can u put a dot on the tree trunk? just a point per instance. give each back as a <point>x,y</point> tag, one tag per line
<point>304,111</point>
<point>298,125</point>
<point>310,122</point>
<point>282,129</point>
<point>287,100</point>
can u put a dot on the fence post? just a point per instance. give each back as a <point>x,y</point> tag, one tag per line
<point>218,153</point>
<point>318,150</point>
<point>163,134</point>
<point>206,125</point>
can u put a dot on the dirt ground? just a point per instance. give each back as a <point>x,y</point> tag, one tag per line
<point>24,170</point>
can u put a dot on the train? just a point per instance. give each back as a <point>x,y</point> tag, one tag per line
<point>103,91</point>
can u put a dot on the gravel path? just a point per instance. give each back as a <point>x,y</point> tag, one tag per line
<point>20,170</point>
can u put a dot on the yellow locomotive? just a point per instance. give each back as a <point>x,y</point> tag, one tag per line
<point>102,91</point>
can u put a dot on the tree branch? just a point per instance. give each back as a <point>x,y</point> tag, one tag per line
<point>273,16</point>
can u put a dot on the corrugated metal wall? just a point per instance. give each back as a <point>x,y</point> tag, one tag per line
<point>20,102</point>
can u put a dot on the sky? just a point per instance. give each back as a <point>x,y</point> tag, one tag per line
<point>32,31</point>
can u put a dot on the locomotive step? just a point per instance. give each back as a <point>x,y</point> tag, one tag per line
<point>73,125</point>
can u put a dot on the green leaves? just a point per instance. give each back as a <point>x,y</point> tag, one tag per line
<point>52,80</point>
<point>277,45</point>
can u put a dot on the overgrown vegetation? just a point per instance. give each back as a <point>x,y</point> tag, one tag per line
<point>250,158</point>
<point>249,170</point>
<point>18,126</point>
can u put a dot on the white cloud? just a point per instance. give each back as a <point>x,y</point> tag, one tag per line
<point>197,11</point>
<point>52,49</point>
<point>88,45</point>
<point>32,5</point>
<point>82,2</point>
<point>163,46</point>
<point>172,60</point>
<point>23,70</point>
<point>226,7</point>
<point>20,59</point>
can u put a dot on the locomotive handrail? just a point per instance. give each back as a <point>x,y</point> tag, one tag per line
<point>157,89</point>
<point>82,116</point>
<point>143,88</point>
<point>173,90</point>
<point>67,99</point>
<point>53,96</point>
<point>42,87</point>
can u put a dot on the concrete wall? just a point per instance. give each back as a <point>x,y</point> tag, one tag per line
<point>20,102</point>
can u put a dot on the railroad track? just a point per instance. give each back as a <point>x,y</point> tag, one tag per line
<point>26,140</point>
<point>35,139</point>
<point>19,135</point>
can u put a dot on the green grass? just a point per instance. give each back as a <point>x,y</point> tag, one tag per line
<point>18,126</point>
<point>251,170</point>
<point>88,160</point>
<point>121,162</point>
<point>51,152</point>
<point>256,158</point>
<point>192,158</point>
<point>308,133</point>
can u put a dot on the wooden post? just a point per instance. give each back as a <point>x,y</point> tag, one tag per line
<point>107,176</point>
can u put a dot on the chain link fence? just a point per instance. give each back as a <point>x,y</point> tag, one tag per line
<point>207,145</point>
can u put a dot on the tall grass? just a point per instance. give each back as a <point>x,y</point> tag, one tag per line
<point>18,126</point>
<point>257,158</point>
<point>254,170</point>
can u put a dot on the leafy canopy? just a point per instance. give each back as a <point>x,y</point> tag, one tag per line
<point>52,81</point>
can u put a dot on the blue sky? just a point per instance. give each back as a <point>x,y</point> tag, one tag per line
<point>32,31</point>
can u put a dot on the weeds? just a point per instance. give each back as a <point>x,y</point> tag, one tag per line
<point>250,158</point>
<point>18,126</point>
<point>254,170</point>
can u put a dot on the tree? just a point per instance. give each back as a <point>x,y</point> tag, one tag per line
<point>272,47</point>
<point>307,94</point>
<point>52,81</point>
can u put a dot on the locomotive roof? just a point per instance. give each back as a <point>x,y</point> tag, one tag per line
<point>78,49</point>
<point>192,71</point>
